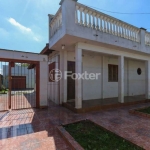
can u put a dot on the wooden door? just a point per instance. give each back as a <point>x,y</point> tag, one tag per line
<point>71,82</point>
<point>18,82</point>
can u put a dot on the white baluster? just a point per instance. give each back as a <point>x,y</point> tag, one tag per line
<point>131,34</point>
<point>116,33</point>
<point>122,35</point>
<point>101,21</point>
<point>81,17</point>
<point>89,19</point>
<point>97,22</point>
<point>136,36</point>
<point>76,14</point>
<point>134,39</point>
<point>111,27</point>
<point>127,32</point>
<point>104,24</point>
<point>107,22</point>
<point>120,29</point>
<point>114,27</point>
<point>117,29</point>
<point>94,25</point>
<point>85,19</point>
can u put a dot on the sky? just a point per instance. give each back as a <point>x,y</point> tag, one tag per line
<point>24,23</point>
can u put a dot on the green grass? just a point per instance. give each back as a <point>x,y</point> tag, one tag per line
<point>145,110</point>
<point>4,92</point>
<point>93,137</point>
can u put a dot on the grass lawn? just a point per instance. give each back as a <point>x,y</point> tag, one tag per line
<point>145,110</point>
<point>4,92</point>
<point>93,137</point>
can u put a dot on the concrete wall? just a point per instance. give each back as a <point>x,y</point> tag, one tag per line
<point>43,83</point>
<point>91,88</point>
<point>134,84</point>
<point>53,87</point>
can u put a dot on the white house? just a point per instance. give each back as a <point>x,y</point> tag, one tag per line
<point>82,39</point>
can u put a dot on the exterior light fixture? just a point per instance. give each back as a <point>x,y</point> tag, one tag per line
<point>63,47</point>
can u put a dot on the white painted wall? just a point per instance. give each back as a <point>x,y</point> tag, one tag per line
<point>110,89</point>
<point>53,87</point>
<point>136,84</point>
<point>43,83</point>
<point>91,88</point>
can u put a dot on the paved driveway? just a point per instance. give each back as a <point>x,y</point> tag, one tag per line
<point>32,129</point>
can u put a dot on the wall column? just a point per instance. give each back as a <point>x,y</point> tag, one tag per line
<point>78,82</point>
<point>63,81</point>
<point>147,79</point>
<point>121,79</point>
<point>102,77</point>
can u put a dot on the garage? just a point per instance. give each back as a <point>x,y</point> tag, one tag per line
<point>18,82</point>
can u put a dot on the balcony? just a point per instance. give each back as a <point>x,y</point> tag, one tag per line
<point>75,22</point>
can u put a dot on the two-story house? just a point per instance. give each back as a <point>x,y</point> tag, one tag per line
<point>82,39</point>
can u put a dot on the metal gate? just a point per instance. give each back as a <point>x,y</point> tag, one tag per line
<point>18,88</point>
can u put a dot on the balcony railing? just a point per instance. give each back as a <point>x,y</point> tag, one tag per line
<point>147,38</point>
<point>91,18</point>
<point>56,22</point>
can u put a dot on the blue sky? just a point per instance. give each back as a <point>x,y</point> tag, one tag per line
<point>24,23</point>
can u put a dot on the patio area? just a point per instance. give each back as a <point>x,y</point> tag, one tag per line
<point>107,103</point>
<point>35,129</point>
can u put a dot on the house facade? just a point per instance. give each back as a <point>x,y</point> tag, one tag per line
<point>83,40</point>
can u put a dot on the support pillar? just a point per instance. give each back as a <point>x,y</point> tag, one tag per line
<point>147,79</point>
<point>121,79</point>
<point>63,81</point>
<point>102,77</point>
<point>78,82</point>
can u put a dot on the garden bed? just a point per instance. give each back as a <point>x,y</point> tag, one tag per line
<point>144,112</point>
<point>93,137</point>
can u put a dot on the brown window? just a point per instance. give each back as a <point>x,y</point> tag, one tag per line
<point>52,72</point>
<point>112,73</point>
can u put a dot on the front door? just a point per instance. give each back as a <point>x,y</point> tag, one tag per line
<point>71,82</point>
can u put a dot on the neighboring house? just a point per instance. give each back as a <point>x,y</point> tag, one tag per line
<point>21,76</point>
<point>83,39</point>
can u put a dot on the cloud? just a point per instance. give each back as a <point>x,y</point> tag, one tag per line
<point>23,29</point>
<point>18,25</point>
